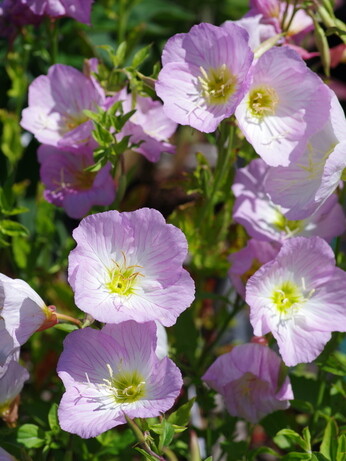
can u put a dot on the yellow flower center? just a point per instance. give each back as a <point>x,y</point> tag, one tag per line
<point>122,278</point>
<point>217,85</point>
<point>128,387</point>
<point>290,227</point>
<point>263,101</point>
<point>73,121</point>
<point>287,296</point>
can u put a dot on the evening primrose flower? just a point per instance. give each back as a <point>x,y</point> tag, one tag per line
<point>304,185</point>
<point>11,384</point>
<point>69,185</point>
<point>22,312</point>
<point>299,296</point>
<point>249,378</point>
<point>245,262</point>
<point>77,9</point>
<point>204,75</point>
<point>129,266</point>
<point>265,220</point>
<point>113,373</point>
<point>56,107</point>
<point>281,109</point>
<point>149,126</point>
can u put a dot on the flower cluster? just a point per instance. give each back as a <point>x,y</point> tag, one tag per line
<point>126,270</point>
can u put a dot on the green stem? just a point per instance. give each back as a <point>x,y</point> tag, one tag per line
<point>68,318</point>
<point>141,439</point>
<point>208,347</point>
<point>222,169</point>
<point>122,20</point>
<point>53,36</point>
<point>295,9</point>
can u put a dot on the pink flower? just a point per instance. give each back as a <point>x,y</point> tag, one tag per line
<point>68,184</point>
<point>112,373</point>
<point>204,75</point>
<point>249,378</point>
<point>22,313</point>
<point>11,384</point>
<point>77,9</point>
<point>248,260</point>
<point>300,297</point>
<point>129,266</point>
<point>264,220</point>
<point>149,126</point>
<point>56,107</point>
<point>281,109</point>
<point>304,185</point>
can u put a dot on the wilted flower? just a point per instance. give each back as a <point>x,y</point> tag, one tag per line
<point>299,296</point>
<point>281,109</point>
<point>112,373</point>
<point>204,75</point>
<point>22,313</point>
<point>129,266</point>
<point>68,184</point>
<point>251,379</point>
<point>56,107</point>
<point>11,384</point>
<point>264,220</point>
<point>304,185</point>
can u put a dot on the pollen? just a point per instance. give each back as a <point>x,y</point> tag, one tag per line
<point>217,84</point>
<point>263,101</point>
<point>287,297</point>
<point>123,278</point>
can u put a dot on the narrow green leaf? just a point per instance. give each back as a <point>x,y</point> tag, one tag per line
<point>329,443</point>
<point>341,453</point>
<point>145,454</point>
<point>141,56</point>
<point>181,417</point>
<point>167,434</point>
<point>53,417</point>
<point>13,228</point>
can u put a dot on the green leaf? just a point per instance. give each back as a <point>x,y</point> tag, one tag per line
<point>53,418</point>
<point>166,435</point>
<point>295,438</point>
<point>261,450</point>
<point>141,56</point>
<point>329,443</point>
<point>13,228</point>
<point>120,54</point>
<point>31,436</point>
<point>335,363</point>
<point>181,417</point>
<point>294,456</point>
<point>11,145</point>
<point>307,438</point>
<point>341,453</point>
<point>318,457</point>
